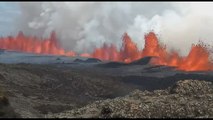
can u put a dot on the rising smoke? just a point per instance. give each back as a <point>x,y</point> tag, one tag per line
<point>83,26</point>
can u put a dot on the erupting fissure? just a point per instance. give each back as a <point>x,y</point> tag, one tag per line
<point>34,44</point>
<point>196,60</point>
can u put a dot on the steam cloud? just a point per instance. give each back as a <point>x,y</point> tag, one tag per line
<point>83,26</point>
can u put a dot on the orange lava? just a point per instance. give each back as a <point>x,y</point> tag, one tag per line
<point>196,60</point>
<point>34,45</point>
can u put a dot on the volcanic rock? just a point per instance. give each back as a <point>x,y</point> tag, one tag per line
<point>112,64</point>
<point>35,90</point>
<point>2,51</point>
<point>190,87</point>
<point>92,60</point>
<point>89,60</point>
<point>6,111</point>
<point>181,100</point>
<point>78,60</point>
<point>142,61</point>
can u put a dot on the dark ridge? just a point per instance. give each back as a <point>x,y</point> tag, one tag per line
<point>58,58</point>
<point>156,68</point>
<point>156,83</point>
<point>89,60</point>
<point>92,60</point>
<point>142,61</point>
<point>2,51</point>
<point>78,60</point>
<point>112,64</point>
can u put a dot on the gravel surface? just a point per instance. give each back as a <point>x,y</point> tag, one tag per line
<point>185,99</point>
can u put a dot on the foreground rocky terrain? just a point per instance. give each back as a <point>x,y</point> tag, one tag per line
<point>6,111</point>
<point>187,98</point>
<point>35,90</point>
<point>57,86</point>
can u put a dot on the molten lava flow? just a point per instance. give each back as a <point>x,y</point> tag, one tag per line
<point>196,60</point>
<point>107,53</point>
<point>34,45</point>
<point>129,50</point>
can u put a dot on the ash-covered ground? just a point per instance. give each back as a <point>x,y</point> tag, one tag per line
<point>59,86</point>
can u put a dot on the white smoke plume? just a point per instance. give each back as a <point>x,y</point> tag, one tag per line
<point>82,26</point>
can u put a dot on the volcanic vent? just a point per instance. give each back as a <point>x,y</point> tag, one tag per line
<point>34,44</point>
<point>196,60</point>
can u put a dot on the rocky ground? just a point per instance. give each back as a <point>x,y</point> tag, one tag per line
<point>87,89</point>
<point>6,111</point>
<point>35,90</point>
<point>187,98</point>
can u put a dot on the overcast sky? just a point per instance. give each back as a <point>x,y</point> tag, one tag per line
<point>8,14</point>
<point>83,26</point>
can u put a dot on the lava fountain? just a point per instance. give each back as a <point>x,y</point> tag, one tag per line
<point>196,60</point>
<point>34,45</point>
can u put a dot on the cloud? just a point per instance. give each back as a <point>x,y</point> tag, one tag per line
<point>193,23</point>
<point>82,26</point>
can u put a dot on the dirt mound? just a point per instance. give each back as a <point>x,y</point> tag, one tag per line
<point>156,104</point>
<point>192,87</point>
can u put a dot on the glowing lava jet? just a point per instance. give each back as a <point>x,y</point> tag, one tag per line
<point>34,45</point>
<point>196,60</point>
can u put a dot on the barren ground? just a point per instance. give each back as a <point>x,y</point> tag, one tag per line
<point>38,90</point>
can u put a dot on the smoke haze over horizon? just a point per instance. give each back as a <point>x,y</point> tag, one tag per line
<point>82,26</point>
